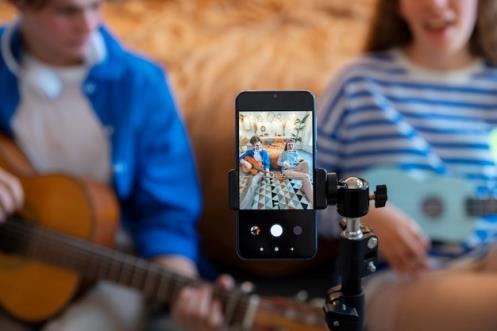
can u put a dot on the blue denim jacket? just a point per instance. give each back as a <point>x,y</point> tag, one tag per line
<point>154,174</point>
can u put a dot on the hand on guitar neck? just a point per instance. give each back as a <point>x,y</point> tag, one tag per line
<point>206,314</point>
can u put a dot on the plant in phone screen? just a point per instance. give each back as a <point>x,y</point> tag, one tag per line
<point>299,127</point>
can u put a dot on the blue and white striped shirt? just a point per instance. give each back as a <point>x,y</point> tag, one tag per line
<point>383,110</point>
<point>292,159</point>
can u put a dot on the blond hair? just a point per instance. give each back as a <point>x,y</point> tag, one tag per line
<point>388,29</point>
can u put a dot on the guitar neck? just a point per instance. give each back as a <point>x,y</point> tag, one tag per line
<point>95,262</point>
<point>91,261</point>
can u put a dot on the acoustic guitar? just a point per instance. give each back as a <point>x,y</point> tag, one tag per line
<point>444,207</point>
<point>58,239</point>
<point>256,166</point>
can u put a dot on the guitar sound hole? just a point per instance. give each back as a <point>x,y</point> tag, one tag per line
<point>433,207</point>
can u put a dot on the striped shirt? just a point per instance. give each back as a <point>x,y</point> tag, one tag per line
<point>383,110</point>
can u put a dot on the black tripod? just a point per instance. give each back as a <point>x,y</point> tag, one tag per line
<point>344,308</point>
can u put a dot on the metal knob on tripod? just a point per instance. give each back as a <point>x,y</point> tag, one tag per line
<point>358,249</point>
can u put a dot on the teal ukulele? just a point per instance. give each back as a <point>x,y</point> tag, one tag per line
<point>444,207</point>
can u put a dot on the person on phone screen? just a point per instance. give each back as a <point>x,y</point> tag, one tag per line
<point>294,166</point>
<point>256,158</point>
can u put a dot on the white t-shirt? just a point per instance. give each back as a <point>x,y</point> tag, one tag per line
<point>55,124</point>
<point>257,155</point>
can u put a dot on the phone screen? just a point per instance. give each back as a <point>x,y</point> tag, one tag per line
<point>276,160</point>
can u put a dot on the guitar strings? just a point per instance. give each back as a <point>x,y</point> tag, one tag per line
<point>59,242</point>
<point>87,251</point>
<point>241,307</point>
<point>243,303</point>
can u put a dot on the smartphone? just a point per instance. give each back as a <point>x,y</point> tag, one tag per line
<point>275,144</point>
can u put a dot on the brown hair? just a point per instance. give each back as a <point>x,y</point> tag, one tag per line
<point>388,29</point>
<point>291,140</point>
<point>36,4</point>
<point>255,139</point>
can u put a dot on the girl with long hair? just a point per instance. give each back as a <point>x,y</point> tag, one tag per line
<point>295,167</point>
<point>422,99</point>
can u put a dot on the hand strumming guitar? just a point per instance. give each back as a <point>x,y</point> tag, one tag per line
<point>11,194</point>
<point>246,164</point>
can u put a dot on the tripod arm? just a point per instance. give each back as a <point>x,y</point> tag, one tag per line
<point>344,309</point>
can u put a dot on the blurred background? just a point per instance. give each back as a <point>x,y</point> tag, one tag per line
<point>212,50</point>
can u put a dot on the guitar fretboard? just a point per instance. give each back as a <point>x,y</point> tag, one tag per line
<point>97,262</point>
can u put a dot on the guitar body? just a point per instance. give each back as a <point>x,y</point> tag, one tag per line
<point>33,291</point>
<point>436,203</point>
<point>256,166</point>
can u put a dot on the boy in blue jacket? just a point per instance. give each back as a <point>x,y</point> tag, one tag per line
<point>76,102</point>
<point>258,153</point>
